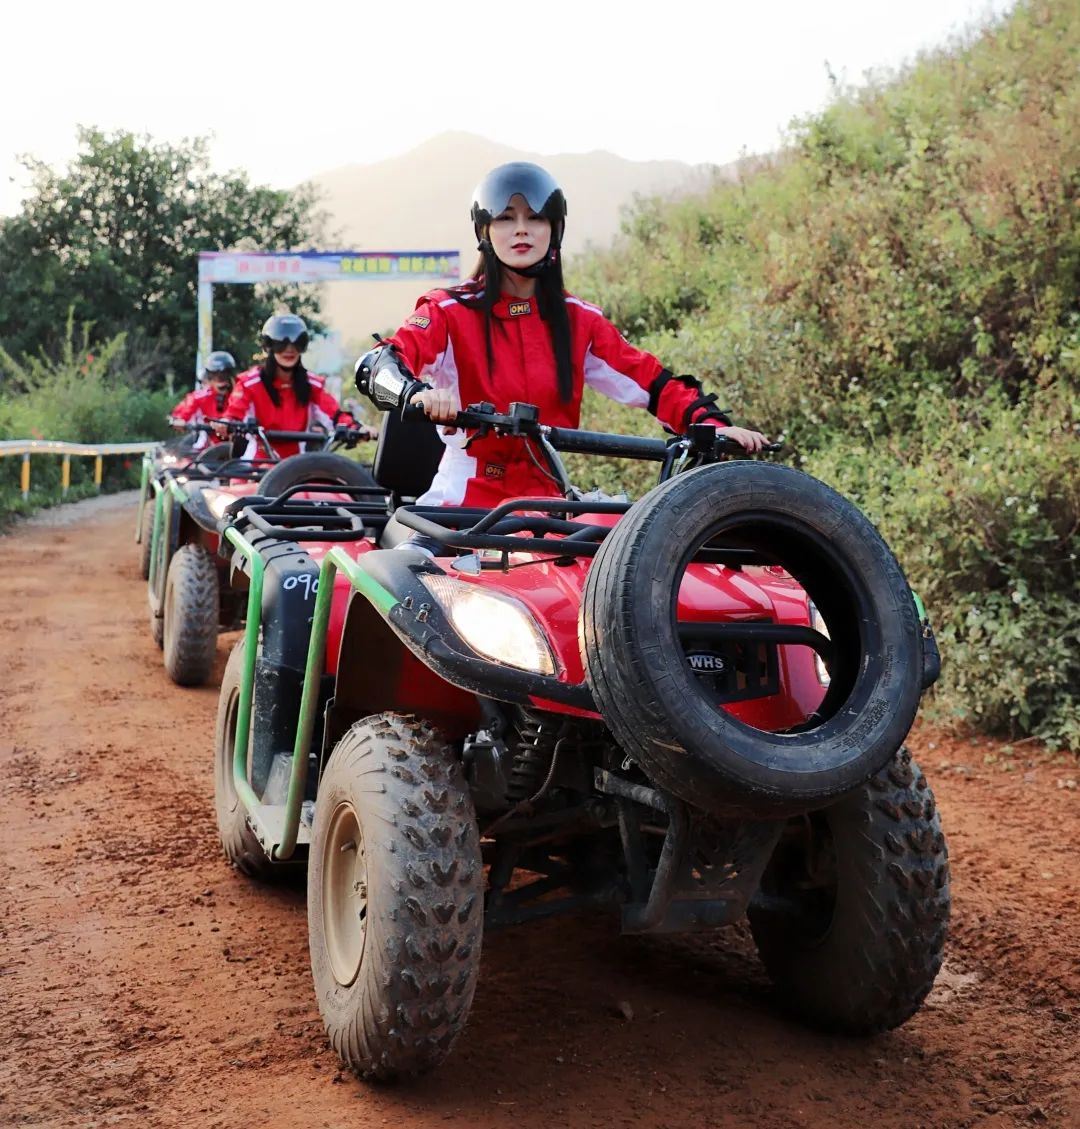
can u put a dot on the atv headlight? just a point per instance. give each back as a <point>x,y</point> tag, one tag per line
<point>169,460</point>
<point>496,626</point>
<point>817,622</point>
<point>217,500</point>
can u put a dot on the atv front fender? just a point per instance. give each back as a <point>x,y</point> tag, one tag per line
<point>419,622</point>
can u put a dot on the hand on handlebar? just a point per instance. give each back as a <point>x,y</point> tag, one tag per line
<point>752,441</point>
<point>441,405</point>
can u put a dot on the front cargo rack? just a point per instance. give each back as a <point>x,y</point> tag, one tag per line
<point>286,518</point>
<point>465,529</point>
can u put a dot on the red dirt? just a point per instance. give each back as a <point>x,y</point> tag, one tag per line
<point>143,982</point>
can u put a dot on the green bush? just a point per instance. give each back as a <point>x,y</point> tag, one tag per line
<point>897,295</point>
<point>982,507</point>
<point>90,393</point>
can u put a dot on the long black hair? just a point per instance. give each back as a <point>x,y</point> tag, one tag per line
<point>482,292</point>
<point>301,386</point>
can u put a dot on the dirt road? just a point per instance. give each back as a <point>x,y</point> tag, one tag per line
<point>142,982</point>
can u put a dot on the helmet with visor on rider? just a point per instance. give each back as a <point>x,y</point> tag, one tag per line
<point>538,188</point>
<point>280,331</point>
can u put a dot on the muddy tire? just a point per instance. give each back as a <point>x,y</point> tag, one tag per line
<point>857,950</point>
<point>395,897</point>
<point>638,671</point>
<point>146,534</point>
<point>157,624</point>
<point>191,616</point>
<point>315,466</point>
<point>157,629</point>
<point>238,841</point>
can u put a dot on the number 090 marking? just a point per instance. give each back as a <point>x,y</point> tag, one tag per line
<point>310,584</point>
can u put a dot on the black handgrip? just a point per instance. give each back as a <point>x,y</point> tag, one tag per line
<point>726,445</point>
<point>251,427</point>
<point>573,440</point>
<point>299,436</point>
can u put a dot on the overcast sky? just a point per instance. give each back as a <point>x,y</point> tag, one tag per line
<point>292,89</point>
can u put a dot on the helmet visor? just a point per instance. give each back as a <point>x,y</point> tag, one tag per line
<point>284,344</point>
<point>220,362</point>
<point>519,178</point>
<point>285,328</point>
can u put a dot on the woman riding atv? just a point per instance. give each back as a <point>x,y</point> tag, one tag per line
<point>280,394</point>
<point>207,402</point>
<point>512,332</point>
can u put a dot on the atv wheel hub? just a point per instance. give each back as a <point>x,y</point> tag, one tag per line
<point>344,893</point>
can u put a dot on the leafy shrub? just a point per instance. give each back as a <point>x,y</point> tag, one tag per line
<point>982,508</point>
<point>88,394</point>
<point>897,294</point>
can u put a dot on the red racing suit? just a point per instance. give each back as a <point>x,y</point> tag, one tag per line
<point>444,344</point>
<point>198,407</point>
<point>250,401</point>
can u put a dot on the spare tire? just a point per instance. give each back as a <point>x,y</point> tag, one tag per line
<point>314,466</point>
<point>654,704</point>
<point>215,454</point>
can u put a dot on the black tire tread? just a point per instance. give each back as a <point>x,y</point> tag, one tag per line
<point>146,534</point>
<point>238,841</point>
<point>411,999</point>
<point>190,633</point>
<point>879,960</point>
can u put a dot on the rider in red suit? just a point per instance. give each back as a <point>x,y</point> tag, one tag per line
<point>281,395</point>
<point>527,339</point>
<point>208,402</point>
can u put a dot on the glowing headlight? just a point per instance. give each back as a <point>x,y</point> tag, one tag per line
<point>169,460</point>
<point>217,500</point>
<point>817,622</point>
<point>496,626</point>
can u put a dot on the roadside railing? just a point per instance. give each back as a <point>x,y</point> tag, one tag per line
<point>97,451</point>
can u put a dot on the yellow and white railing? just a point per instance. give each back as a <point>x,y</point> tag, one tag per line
<point>96,451</point>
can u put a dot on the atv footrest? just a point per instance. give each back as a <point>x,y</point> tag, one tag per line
<point>268,823</point>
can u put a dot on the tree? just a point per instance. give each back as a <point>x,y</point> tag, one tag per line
<point>115,239</point>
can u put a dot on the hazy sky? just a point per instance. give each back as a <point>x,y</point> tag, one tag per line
<point>291,89</point>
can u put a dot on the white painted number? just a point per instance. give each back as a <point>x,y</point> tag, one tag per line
<point>310,584</point>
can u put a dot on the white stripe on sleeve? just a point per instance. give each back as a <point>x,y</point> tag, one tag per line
<point>443,371</point>
<point>613,384</point>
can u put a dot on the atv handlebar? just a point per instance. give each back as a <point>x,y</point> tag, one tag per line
<point>249,427</point>
<point>347,435</point>
<point>703,441</point>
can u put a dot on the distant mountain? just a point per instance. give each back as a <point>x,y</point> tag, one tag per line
<point>421,200</point>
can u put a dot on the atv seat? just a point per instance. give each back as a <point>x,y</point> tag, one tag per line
<point>406,458</point>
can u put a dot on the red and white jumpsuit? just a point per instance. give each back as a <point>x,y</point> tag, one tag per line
<point>444,344</point>
<point>199,407</point>
<point>250,401</point>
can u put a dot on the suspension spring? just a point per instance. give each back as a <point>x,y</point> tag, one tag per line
<point>537,736</point>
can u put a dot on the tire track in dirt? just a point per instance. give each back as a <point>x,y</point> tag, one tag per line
<point>143,982</point>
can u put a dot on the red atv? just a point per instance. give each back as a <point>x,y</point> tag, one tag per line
<point>173,455</point>
<point>684,709</point>
<point>188,588</point>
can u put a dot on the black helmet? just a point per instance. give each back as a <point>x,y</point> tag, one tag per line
<point>284,327</point>
<point>220,361</point>
<point>519,178</point>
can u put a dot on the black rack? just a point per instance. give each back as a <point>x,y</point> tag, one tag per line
<point>247,470</point>
<point>463,527</point>
<point>285,519</point>
<point>468,529</point>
